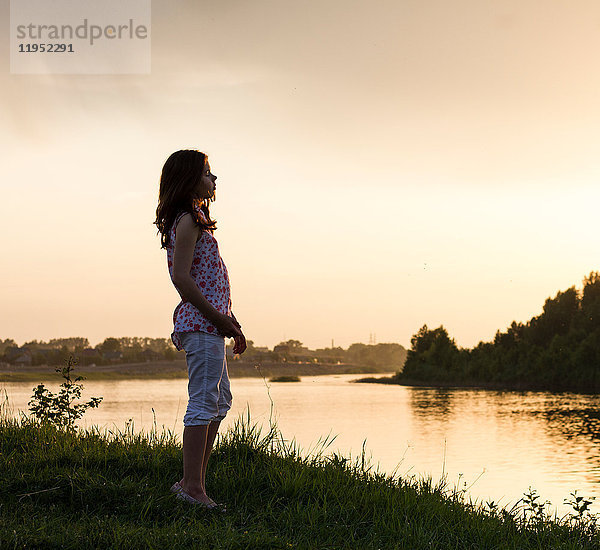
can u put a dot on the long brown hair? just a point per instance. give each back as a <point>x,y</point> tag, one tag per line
<point>180,174</point>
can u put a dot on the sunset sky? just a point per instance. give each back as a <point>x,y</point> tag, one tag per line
<point>380,165</point>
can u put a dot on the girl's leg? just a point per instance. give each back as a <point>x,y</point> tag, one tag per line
<point>205,356</point>
<point>194,448</point>
<point>213,428</point>
<point>223,404</point>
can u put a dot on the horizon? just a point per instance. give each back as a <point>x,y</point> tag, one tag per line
<point>372,336</point>
<point>93,345</point>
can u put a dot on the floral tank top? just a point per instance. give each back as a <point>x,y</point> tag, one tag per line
<point>210,274</point>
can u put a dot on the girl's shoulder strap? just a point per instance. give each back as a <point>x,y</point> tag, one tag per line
<point>202,217</point>
<point>197,207</point>
<point>177,220</point>
<point>178,217</point>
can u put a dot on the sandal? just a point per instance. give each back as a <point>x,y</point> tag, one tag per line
<point>182,495</point>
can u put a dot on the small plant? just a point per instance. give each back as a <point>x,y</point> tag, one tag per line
<point>285,379</point>
<point>492,507</point>
<point>580,504</point>
<point>534,511</point>
<point>581,515</point>
<point>60,410</point>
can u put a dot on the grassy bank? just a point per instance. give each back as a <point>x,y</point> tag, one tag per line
<point>178,369</point>
<point>111,490</point>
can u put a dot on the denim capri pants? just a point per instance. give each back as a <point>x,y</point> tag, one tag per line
<point>208,380</point>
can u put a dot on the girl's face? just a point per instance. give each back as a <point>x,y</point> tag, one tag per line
<point>205,188</point>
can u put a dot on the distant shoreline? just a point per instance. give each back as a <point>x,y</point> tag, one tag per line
<point>492,386</point>
<point>178,369</point>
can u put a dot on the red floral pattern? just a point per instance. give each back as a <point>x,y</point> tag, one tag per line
<point>210,274</point>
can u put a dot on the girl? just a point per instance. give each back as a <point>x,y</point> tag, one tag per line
<point>203,318</point>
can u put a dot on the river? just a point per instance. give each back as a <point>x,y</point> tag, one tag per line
<point>497,442</point>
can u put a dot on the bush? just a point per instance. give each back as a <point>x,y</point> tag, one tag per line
<point>60,410</point>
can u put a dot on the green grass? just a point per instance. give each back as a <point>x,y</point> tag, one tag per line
<point>111,490</point>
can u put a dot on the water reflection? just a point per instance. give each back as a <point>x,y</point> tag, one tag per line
<point>435,401</point>
<point>574,422</point>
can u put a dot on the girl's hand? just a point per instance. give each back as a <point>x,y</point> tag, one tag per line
<point>227,327</point>
<point>239,346</point>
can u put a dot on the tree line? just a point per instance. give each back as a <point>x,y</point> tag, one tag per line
<point>558,350</point>
<point>140,349</point>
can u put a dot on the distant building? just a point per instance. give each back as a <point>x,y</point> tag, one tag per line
<point>113,356</point>
<point>90,352</point>
<point>23,359</point>
<point>151,355</point>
